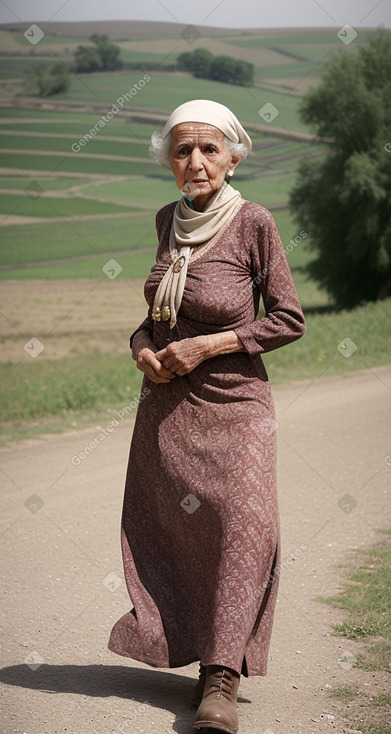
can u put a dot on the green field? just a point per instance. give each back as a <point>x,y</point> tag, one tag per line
<point>73,163</point>
<point>107,88</point>
<point>107,185</point>
<point>97,146</point>
<point>46,206</point>
<point>59,240</point>
<point>45,184</point>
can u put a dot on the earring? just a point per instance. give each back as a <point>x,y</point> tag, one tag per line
<point>230,173</point>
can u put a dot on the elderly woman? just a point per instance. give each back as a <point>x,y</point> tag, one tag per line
<point>200,524</point>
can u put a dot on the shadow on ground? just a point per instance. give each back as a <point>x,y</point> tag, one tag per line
<point>167,691</point>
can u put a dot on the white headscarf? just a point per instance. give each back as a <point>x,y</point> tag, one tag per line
<point>211,113</point>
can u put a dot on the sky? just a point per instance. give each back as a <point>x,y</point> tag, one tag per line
<point>218,13</point>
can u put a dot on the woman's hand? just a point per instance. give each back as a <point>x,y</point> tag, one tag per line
<point>152,367</point>
<point>144,350</point>
<point>183,356</point>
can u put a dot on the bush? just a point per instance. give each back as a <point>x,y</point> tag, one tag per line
<point>232,71</point>
<point>198,62</point>
<point>48,80</point>
<point>102,56</point>
<point>226,69</point>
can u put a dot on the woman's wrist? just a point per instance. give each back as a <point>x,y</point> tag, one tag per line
<point>141,340</point>
<point>225,342</point>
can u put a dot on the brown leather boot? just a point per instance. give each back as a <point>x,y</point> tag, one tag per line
<point>218,708</point>
<point>198,690</point>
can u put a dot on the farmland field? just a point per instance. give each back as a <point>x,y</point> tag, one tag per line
<point>118,190</point>
<point>66,212</point>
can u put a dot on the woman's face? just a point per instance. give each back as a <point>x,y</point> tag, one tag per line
<point>200,160</point>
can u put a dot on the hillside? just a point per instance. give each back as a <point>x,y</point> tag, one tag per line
<point>134,29</point>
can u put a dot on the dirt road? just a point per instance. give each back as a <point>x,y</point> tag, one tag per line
<point>64,588</point>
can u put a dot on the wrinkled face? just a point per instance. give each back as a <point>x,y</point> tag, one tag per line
<point>200,160</point>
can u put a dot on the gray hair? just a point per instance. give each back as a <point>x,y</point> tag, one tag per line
<point>160,148</point>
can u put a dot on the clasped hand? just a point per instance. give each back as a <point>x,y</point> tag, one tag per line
<point>177,359</point>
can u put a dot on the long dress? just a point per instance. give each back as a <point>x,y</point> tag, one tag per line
<point>200,522</point>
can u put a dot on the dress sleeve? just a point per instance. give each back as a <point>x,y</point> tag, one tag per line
<point>147,325</point>
<point>284,320</point>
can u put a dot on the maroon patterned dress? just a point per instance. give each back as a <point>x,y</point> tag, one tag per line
<point>200,524</point>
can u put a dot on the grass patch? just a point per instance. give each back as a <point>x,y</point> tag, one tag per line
<point>71,420</point>
<point>137,190</point>
<point>82,382</point>
<point>77,123</point>
<point>41,206</point>
<point>133,264</point>
<point>298,37</point>
<point>47,183</point>
<point>61,240</point>
<point>366,596</point>
<point>370,714</point>
<point>377,656</point>
<point>383,700</point>
<point>12,68</point>
<point>316,354</point>
<point>268,191</point>
<point>96,146</point>
<point>55,396</point>
<point>56,162</point>
<point>344,693</point>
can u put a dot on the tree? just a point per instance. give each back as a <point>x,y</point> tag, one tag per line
<point>185,61</point>
<point>108,52</point>
<point>232,71</point>
<point>202,63</point>
<point>102,56</point>
<point>198,62</point>
<point>343,200</point>
<point>87,60</point>
<point>48,80</point>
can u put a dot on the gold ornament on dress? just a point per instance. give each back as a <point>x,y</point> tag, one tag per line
<point>179,264</point>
